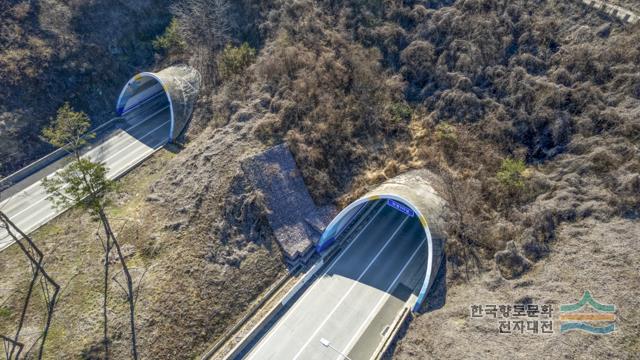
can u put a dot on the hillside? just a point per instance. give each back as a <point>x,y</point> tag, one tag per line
<point>529,109</point>
<point>80,51</point>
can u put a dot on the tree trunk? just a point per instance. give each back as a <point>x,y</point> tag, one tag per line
<point>105,315</point>
<point>127,274</point>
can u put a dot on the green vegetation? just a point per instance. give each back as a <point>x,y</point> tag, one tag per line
<point>234,61</point>
<point>170,40</point>
<point>69,129</point>
<point>400,112</point>
<point>446,133</point>
<point>511,174</point>
<point>80,50</point>
<point>85,183</point>
<point>360,91</point>
<point>5,312</point>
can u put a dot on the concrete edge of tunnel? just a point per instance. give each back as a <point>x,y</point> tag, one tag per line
<point>181,84</point>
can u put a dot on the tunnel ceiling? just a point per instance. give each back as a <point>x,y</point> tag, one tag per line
<point>180,84</point>
<point>417,190</point>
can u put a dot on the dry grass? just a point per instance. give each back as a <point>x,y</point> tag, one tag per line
<point>363,91</point>
<point>580,260</point>
<point>80,51</point>
<point>184,291</point>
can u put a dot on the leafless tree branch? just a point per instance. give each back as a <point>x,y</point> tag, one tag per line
<point>35,256</point>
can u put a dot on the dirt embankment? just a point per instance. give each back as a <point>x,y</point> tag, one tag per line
<point>362,91</point>
<point>590,255</point>
<point>193,230</point>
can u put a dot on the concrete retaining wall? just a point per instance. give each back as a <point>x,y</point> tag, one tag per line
<point>618,12</point>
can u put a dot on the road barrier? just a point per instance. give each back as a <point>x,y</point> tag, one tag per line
<point>290,296</point>
<point>49,163</point>
<point>616,11</point>
<point>385,349</point>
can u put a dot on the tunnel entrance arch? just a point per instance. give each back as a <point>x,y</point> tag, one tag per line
<point>178,85</point>
<point>414,194</point>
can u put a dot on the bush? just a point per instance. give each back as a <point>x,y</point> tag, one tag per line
<point>456,105</point>
<point>234,60</point>
<point>511,263</point>
<point>400,112</point>
<point>446,133</point>
<point>417,63</point>
<point>170,40</point>
<point>511,174</point>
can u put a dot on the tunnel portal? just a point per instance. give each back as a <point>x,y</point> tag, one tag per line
<point>412,194</point>
<point>175,86</point>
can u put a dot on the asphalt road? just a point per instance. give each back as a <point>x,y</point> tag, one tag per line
<point>147,130</point>
<point>354,300</point>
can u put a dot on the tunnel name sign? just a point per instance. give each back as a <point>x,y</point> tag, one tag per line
<point>400,207</point>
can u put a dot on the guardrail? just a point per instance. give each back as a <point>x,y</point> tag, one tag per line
<point>385,349</point>
<point>32,168</point>
<point>619,12</point>
<point>45,161</point>
<point>239,349</point>
<point>352,226</point>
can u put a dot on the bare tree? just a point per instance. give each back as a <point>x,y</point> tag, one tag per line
<point>203,22</point>
<point>50,289</point>
<point>204,26</point>
<point>10,345</point>
<point>462,196</point>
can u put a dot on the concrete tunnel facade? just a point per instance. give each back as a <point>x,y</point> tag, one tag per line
<point>415,189</point>
<point>179,84</point>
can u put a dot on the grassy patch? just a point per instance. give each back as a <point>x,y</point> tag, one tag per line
<point>5,313</point>
<point>73,257</point>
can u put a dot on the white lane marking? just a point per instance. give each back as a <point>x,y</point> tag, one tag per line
<point>342,299</point>
<point>53,214</point>
<point>378,305</point>
<point>105,160</point>
<point>123,138</point>
<point>304,295</point>
<point>112,155</point>
<point>24,192</point>
<point>143,154</point>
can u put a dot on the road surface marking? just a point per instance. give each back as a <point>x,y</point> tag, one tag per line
<point>5,241</point>
<point>105,160</point>
<point>384,297</point>
<point>26,190</point>
<point>350,289</point>
<point>54,214</point>
<point>300,300</point>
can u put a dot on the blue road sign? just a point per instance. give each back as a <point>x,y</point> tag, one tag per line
<point>400,207</point>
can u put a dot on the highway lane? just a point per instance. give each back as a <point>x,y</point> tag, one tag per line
<point>345,301</point>
<point>147,130</point>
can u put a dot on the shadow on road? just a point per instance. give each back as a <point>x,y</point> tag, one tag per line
<point>399,268</point>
